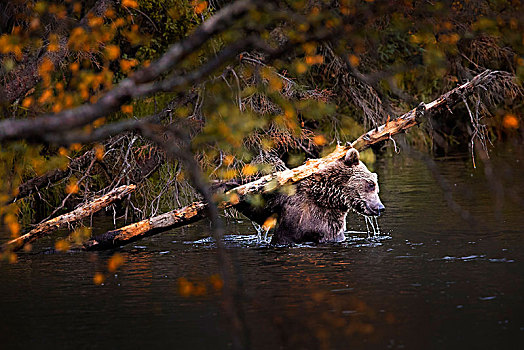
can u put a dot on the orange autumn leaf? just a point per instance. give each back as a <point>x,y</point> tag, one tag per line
<point>216,282</point>
<point>46,96</point>
<point>112,52</point>
<point>127,109</point>
<point>77,7</point>
<point>98,278</point>
<point>73,67</point>
<point>200,7</point>
<point>510,122</point>
<point>27,102</point>
<point>72,187</point>
<point>126,65</point>
<point>354,60</point>
<point>13,258</point>
<point>62,245</point>
<point>316,59</point>
<point>185,287</point>
<point>234,199</point>
<point>99,152</point>
<point>76,147</point>
<point>63,152</point>
<point>45,67</point>
<point>130,3</point>
<point>229,159</point>
<point>115,262</point>
<point>269,223</point>
<point>96,21</point>
<point>300,67</point>
<point>53,43</point>
<point>319,140</point>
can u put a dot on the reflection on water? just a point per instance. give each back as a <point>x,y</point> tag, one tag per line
<point>429,280</point>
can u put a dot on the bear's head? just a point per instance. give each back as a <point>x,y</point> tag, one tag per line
<point>362,186</point>
<point>344,185</point>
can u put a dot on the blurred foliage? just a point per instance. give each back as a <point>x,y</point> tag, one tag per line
<point>250,112</point>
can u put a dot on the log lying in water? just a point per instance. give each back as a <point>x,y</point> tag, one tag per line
<point>69,218</point>
<point>147,227</point>
<point>268,183</point>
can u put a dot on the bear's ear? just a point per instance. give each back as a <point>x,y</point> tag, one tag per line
<point>352,157</point>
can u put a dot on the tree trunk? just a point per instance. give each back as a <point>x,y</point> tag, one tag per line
<point>69,218</point>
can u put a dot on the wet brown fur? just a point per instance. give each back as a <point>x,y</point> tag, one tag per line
<point>317,211</point>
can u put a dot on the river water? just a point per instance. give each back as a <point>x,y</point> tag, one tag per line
<point>433,281</point>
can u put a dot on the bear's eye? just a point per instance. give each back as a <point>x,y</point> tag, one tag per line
<point>370,186</point>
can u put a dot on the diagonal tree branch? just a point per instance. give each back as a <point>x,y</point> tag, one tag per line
<point>12,129</point>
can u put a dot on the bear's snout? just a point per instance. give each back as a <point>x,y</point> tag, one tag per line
<point>381,208</point>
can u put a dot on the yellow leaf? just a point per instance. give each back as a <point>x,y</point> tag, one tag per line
<point>249,170</point>
<point>229,159</point>
<point>300,67</point>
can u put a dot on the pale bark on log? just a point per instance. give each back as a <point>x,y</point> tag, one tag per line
<point>269,183</point>
<point>79,213</point>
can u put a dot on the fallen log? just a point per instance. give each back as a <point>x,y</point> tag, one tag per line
<point>147,227</point>
<point>268,183</point>
<point>66,219</point>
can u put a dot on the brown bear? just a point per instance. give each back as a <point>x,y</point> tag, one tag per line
<point>317,211</point>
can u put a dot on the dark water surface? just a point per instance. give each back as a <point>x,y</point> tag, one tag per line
<point>436,282</point>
